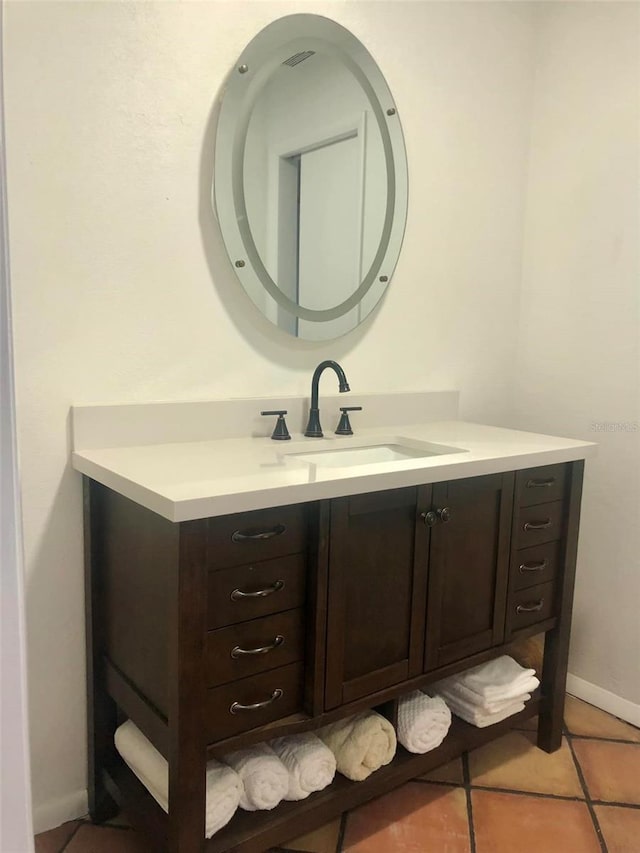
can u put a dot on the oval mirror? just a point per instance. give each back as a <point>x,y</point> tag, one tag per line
<point>310,177</point>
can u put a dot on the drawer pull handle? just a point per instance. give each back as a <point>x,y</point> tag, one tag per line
<point>530,608</point>
<point>238,594</point>
<point>540,484</point>
<point>256,706</point>
<point>537,525</point>
<point>237,652</point>
<point>533,567</point>
<point>239,536</point>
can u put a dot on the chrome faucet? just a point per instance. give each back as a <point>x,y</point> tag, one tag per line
<point>314,430</point>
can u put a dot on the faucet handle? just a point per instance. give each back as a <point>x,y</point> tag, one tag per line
<point>344,427</point>
<point>280,432</point>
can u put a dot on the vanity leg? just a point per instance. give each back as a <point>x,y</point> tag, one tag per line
<point>556,646</point>
<point>101,709</point>
<point>187,694</point>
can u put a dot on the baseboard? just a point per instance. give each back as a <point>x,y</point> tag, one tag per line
<point>54,812</point>
<point>604,699</point>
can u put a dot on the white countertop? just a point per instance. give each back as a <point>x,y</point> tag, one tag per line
<point>184,480</point>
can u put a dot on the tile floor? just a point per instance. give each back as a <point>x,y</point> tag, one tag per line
<point>505,797</point>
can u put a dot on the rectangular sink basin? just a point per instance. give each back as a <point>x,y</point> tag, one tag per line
<point>343,457</point>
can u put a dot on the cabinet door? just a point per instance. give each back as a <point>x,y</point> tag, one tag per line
<point>377,592</point>
<point>468,568</point>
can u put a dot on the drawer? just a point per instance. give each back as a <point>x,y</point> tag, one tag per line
<point>251,647</point>
<point>538,524</point>
<point>261,535</point>
<point>247,592</point>
<point>532,566</point>
<point>528,606</point>
<point>540,485</point>
<point>265,697</point>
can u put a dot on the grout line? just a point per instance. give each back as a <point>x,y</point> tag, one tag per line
<point>341,831</point>
<point>537,794</point>
<point>618,805</point>
<point>583,782</point>
<point>603,739</point>
<point>71,837</point>
<point>467,790</point>
<point>437,782</point>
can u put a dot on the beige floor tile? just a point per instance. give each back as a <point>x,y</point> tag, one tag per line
<point>611,770</point>
<point>105,839</point>
<point>323,840</point>
<point>620,827</point>
<point>451,772</point>
<point>54,840</point>
<point>416,818</point>
<point>514,762</point>
<point>516,823</point>
<point>584,719</point>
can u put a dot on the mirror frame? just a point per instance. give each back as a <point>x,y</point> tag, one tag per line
<point>253,69</point>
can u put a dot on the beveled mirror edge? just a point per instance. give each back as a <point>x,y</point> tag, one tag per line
<point>265,52</point>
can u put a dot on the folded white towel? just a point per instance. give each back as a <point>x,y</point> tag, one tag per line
<point>310,763</point>
<point>264,777</point>
<point>482,720</point>
<point>361,744</point>
<point>453,691</point>
<point>223,785</point>
<point>453,687</point>
<point>499,679</point>
<point>423,721</point>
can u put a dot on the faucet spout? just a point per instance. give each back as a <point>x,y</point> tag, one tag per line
<point>314,430</point>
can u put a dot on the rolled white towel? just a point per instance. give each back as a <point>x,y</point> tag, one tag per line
<point>423,721</point>
<point>452,692</point>
<point>223,785</point>
<point>361,744</point>
<point>499,679</point>
<point>264,777</point>
<point>310,763</point>
<point>483,720</point>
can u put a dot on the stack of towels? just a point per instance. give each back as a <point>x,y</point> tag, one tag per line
<point>361,744</point>
<point>488,693</point>
<point>423,721</point>
<point>260,777</point>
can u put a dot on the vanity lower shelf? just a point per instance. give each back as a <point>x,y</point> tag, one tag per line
<point>255,832</point>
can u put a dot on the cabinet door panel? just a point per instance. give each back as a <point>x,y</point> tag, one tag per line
<point>377,590</point>
<point>468,568</point>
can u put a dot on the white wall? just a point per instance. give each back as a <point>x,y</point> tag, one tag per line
<point>122,291</point>
<point>579,356</point>
<point>16,831</point>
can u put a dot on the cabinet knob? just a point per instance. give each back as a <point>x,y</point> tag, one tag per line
<point>429,518</point>
<point>444,514</point>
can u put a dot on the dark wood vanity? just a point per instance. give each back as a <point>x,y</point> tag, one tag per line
<point>353,602</point>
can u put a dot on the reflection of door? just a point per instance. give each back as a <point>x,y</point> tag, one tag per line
<point>318,233</point>
<point>330,227</point>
